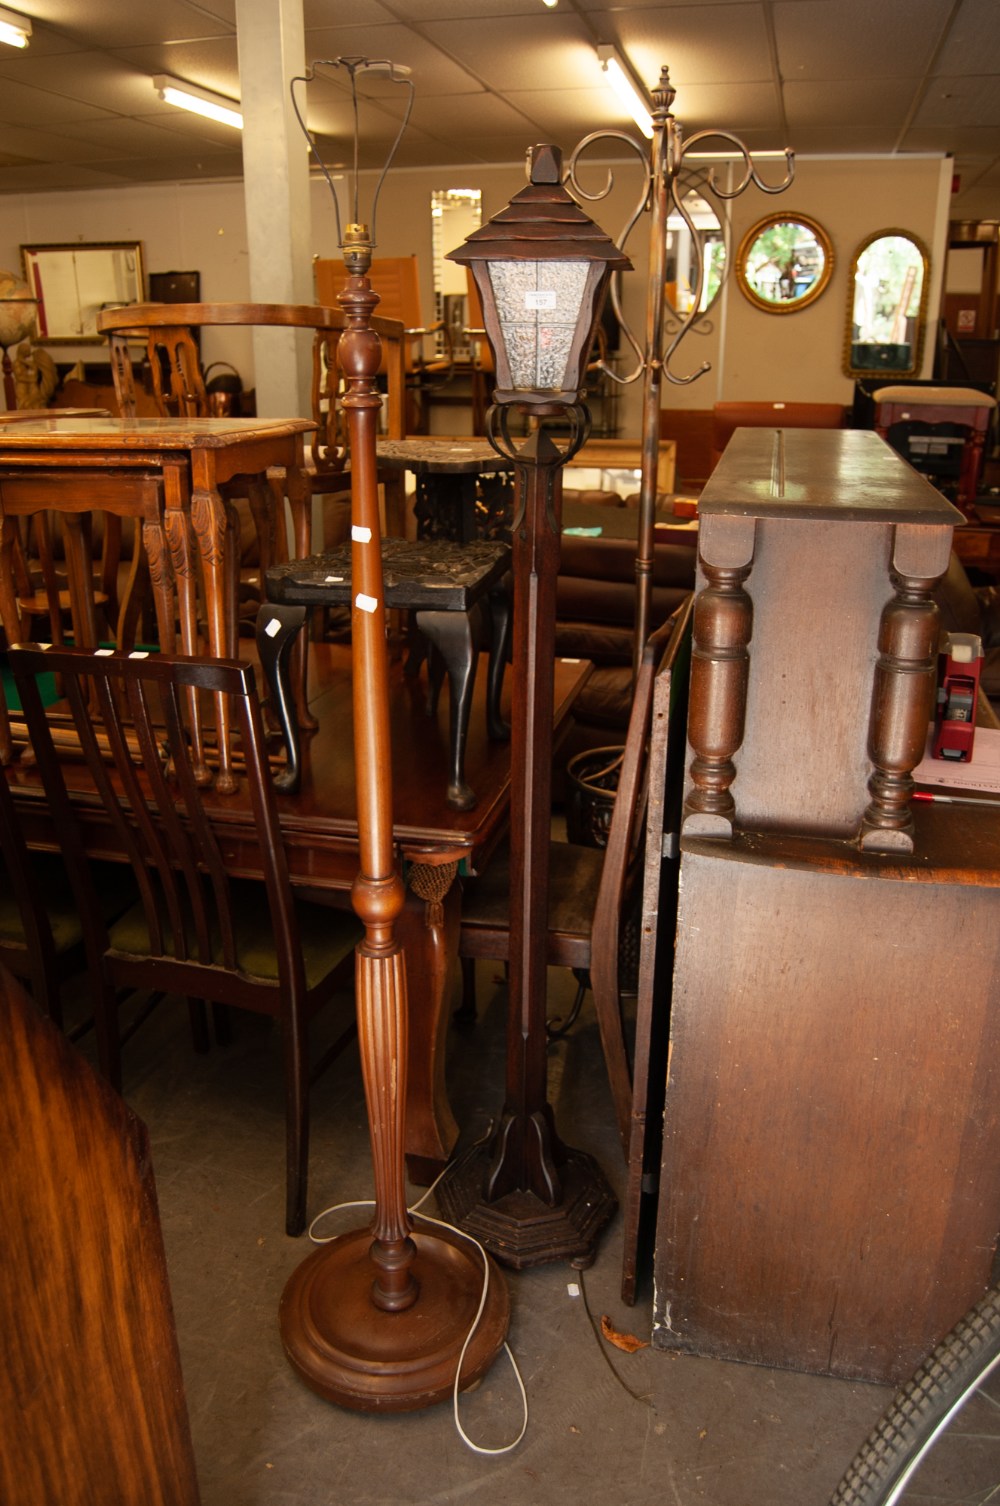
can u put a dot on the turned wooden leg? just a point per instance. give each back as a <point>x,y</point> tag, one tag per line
<point>902,707</point>
<point>720,672</point>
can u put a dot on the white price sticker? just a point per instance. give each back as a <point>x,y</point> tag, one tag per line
<point>540,299</point>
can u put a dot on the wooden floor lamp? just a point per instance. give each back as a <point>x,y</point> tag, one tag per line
<point>378,1319</point>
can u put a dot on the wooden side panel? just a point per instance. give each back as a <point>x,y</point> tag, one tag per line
<point>830,1193</point>
<point>91,1394</point>
<point>817,590</point>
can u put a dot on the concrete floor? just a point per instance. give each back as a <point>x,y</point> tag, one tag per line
<point>603,1424</point>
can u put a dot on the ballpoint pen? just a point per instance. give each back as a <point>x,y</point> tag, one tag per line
<point>953,799</point>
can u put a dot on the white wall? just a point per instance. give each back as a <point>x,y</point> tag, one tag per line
<point>797,356</point>
<point>754,354</point>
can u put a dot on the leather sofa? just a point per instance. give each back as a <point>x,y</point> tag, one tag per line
<point>595,615</point>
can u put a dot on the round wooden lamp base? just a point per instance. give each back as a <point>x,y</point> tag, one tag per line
<point>352,1353</point>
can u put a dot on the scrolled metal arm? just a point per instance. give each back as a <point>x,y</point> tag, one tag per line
<point>675,150</point>
<point>750,173</point>
<point>571,179</point>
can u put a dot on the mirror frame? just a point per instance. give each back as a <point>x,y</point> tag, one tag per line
<point>747,244</point>
<point>699,181</point>
<point>65,257</point>
<point>849,369</point>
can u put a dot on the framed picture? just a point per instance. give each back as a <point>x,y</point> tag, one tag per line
<point>74,283</point>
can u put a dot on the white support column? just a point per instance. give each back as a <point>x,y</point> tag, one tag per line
<point>271,41</point>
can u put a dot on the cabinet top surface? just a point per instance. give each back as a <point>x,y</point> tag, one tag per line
<point>849,474</point>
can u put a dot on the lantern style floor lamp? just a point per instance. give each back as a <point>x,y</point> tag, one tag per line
<point>542,268</point>
<point>378,1319</point>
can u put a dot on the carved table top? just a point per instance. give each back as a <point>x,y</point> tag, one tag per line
<point>435,575</point>
<point>458,456</point>
<point>843,474</point>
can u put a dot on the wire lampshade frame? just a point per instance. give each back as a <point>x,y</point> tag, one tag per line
<point>397,73</point>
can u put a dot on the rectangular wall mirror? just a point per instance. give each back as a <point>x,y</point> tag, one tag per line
<point>74,283</point>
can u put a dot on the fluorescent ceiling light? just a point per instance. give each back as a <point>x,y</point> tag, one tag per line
<point>734,156</point>
<point>628,91</point>
<point>14,29</point>
<point>199,101</point>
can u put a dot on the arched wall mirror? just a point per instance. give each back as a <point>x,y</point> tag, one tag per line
<point>455,213</point>
<point>784,262</point>
<point>886,306</point>
<point>710,234</point>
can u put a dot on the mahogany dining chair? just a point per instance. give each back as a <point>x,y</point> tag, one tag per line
<point>198,931</point>
<point>425,367</point>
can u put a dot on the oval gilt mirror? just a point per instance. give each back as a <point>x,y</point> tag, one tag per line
<point>784,262</point>
<point>886,306</point>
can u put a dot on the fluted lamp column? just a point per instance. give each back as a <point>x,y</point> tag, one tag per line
<point>376,1319</point>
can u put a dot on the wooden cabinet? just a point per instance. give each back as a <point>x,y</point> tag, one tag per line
<point>830,1192</point>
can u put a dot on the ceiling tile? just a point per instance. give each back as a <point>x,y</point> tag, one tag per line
<point>544,51</point>
<point>733,49</point>
<point>846,102</point>
<point>20,103</point>
<point>492,116</point>
<point>599,10</point>
<point>52,146</point>
<point>53,178</point>
<point>464,10</point>
<point>491,76</point>
<point>823,39</point>
<point>109,23</point>
<point>96,78</point>
<point>852,140</point>
<point>174,169</point>
<point>960,102</point>
<point>149,140</point>
<point>971,138</point>
<point>973,42</point>
<point>433,71</point>
<point>571,113</point>
<point>212,64</point>
<point>729,107</point>
<point>320,13</point>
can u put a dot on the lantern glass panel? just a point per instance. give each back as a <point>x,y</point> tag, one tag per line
<point>538,305</point>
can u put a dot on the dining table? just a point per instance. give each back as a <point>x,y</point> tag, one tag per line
<point>175,477</point>
<point>437,845</point>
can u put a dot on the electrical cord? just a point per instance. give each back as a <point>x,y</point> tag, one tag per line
<point>635,1395</point>
<point>415,1212</point>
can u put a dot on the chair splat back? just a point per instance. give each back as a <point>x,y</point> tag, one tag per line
<point>138,753</point>
<point>200,931</point>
